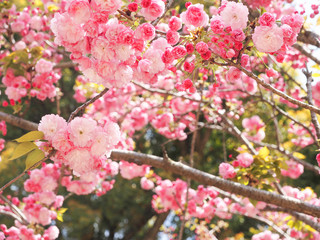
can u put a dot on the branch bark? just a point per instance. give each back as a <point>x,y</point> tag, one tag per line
<point>18,122</point>
<point>273,89</point>
<point>306,53</point>
<point>211,180</point>
<point>314,118</point>
<point>153,231</point>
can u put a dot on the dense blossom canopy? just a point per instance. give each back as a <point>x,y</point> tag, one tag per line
<point>220,79</point>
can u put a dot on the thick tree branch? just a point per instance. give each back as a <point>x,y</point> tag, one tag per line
<point>18,122</point>
<point>309,37</point>
<point>211,180</point>
<point>65,65</point>
<point>153,231</point>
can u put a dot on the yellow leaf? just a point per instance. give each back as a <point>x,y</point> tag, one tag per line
<point>52,8</point>
<point>316,66</point>
<point>30,136</point>
<point>318,21</point>
<point>315,74</point>
<point>299,155</point>
<point>60,213</point>
<point>34,157</point>
<point>23,149</point>
<point>264,152</point>
<point>309,228</point>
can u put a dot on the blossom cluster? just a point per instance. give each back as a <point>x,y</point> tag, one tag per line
<point>31,71</point>
<point>39,208</point>
<point>268,37</point>
<point>81,144</point>
<point>108,50</point>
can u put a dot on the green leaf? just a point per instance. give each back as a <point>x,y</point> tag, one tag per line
<point>34,157</point>
<point>30,136</point>
<point>23,149</point>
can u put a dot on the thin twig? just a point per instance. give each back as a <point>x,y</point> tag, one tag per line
<point>168,6</point>
<point>83,106</point>
<point>35,165</point>
<point>306,53</point>
<point>273,89</point>
<point>314,118</point>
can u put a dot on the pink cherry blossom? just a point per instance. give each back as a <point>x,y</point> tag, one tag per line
<point>226,170</point>
<point>175,23</point>
<point>173,37</point>
<point>132,170</point>
<point>50,125</point>
<point>202,47</point>
<point>294,169</point>
<point>82,131</point>
<point>267,19</point>
<point>43,66</point>
<point>109,6</point>
<point>216,24</point>
<point>195,16</point>
<point>146,184</point>
<point>245,159</point>
<point>235,15</point>
<point>154,10</point>
<point>145,31</point>
<point>65,29</point>
<point>268,39</point>
<point>79,10</point>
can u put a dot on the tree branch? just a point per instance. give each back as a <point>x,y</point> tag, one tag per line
<point>306,53</point>
<point>26,171</point>
<point>208,179</point>
<point>309,37</point>
<point>83,106</point>
<point>18,122</point>
<point>273,89</point>
<point>298,216</point>
<point>314,118</point>
<point>65,65</point>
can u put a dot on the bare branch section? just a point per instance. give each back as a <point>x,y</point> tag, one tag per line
<point>273,89</point>
<point>204,178</point>
<point>306,219</point>
<point>211,180</point>
<point>314,118</point>
<point>35,165</point>
<point>306,53</point>
<point>309,37</point>
<point>86,104</point>
<point>65,65</point>
<point>18,122</point>
<point>168,6</point>
<point>307,165</point>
